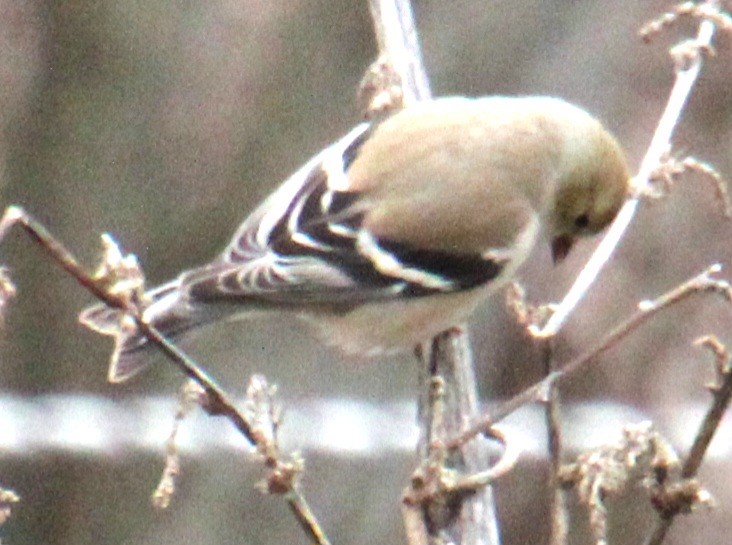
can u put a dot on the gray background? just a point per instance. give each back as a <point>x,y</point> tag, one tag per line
<point>166,122</point>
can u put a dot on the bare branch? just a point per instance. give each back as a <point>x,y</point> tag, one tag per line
<point>685,9</point>
<point>433,483</point>
<point>703,283</point>
<point>686,76</point>
<point>721,392</point>
<point>218,401</point>
<point>397,40</point>
<point>449,355</point>
<point>559,513</point>
<point>215,401</point>
<point>189,396</point>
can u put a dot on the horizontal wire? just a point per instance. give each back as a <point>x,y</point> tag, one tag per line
<point>98,426</point>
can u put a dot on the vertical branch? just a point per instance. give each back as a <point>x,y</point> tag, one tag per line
<point>450,356</point>
<point>558,508</point>
<point>396,37</point>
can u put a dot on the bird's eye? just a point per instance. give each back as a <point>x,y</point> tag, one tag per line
<point>581,222</point>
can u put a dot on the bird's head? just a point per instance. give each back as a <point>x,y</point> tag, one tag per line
<point>592,189</point>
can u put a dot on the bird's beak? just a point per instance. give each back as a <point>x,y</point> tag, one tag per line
<point>561,247</point>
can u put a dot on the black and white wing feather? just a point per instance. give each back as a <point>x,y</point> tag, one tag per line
<point>306,245</point>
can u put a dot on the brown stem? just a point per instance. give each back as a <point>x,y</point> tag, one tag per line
<point>217,402</point>
<point>722,394</point>
<point>702,283</point>
<point>552,407</point>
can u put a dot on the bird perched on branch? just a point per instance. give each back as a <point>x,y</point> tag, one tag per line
<point>398,230</point>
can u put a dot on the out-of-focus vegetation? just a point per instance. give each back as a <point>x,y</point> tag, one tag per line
<point>166,122</point>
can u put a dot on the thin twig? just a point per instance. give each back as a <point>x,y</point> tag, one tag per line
<point>529,315</point>
<point>446,484</point>
<point>552,406</point>
<point>217,403</point>
<point>721,396</point>
<point>305,517</point>
<point>189,397</point>
<point>686,76</point>
<point>703,283</point>
<point>507,462</point>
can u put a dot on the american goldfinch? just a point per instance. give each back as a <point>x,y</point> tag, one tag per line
<point>398,230</point>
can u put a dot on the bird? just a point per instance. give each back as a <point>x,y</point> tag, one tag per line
<point>401,228</point>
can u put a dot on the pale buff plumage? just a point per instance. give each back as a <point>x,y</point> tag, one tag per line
<point>399,231</point>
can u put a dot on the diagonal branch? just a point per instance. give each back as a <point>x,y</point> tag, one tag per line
<point>686,76</point>
<point>721,395</point>
<point>703,283</point>
<point>217,402</point>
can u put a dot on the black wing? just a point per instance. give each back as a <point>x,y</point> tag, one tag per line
<point>305,245</point>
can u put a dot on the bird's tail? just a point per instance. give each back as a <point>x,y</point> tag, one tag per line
<point>167,312</point>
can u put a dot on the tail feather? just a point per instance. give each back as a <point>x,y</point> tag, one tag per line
<point>166,312</point>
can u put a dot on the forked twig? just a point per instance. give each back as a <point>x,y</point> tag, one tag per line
<point>702,283</point>
<point>721,391</point>
<point>217,403</point>
<point>686,76</point>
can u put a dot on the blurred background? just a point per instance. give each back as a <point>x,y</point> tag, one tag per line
<point>164,123</point>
